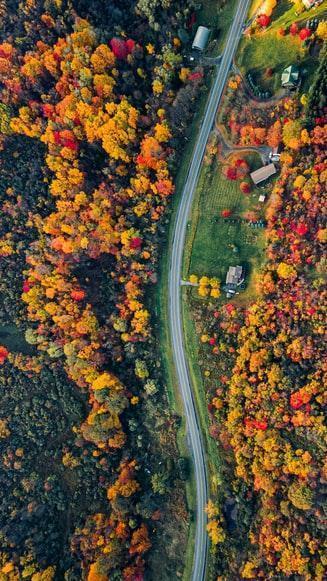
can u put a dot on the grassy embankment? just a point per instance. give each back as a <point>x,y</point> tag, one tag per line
<point>219,20</point>
<point>209,16</point>
<point>267,49</point>
<point>285,12</point>
<point>212,245</point>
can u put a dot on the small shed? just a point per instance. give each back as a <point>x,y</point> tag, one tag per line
<point>290,77</point>
<point>263,173</point>
<point>262,198</point>
<point>234,278</point>
<point>201,38</point>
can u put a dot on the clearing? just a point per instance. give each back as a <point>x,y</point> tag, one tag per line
<point>214,243</point>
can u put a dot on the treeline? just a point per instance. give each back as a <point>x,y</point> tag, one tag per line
<point>91,113</point>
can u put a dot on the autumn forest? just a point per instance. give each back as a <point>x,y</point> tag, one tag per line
<point>96,105</point>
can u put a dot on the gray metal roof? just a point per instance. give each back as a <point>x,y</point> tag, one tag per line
<point>201,38</point>
<point>263,173</point>
<point>234,275</point>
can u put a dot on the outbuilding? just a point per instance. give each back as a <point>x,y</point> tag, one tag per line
<point>201,38</point>
<point>291,77</point>
<point>263,173</point>
<point>234,279</point>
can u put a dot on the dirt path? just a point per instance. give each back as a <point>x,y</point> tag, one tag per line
<point>255,101</point>
<point>229,148</point>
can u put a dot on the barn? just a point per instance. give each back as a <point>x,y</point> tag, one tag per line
<point>201,38</point>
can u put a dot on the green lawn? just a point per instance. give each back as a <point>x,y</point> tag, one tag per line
<point>269,51</point>
<point>212,243</point>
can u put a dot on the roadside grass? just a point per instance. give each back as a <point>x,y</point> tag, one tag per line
<point>199,391</point>
<point>211,17</point>
<point>213,244</point>
<point>160,303</point>
<point>219,20</point>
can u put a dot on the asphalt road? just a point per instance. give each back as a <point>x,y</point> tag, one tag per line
<point>175,314</point>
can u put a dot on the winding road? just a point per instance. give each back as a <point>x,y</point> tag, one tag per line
<point>174,282</point>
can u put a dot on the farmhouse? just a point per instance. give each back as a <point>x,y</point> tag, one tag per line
<point>263,173</point>
<point>201,38</point>
<point>291,77</point>
<point>234,278</point>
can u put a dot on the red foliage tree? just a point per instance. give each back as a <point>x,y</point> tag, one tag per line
<point>136,243</point>
<point>245,187</point>
<point>119,48</point>
<point>195,76</point>
<point>226,213</point>
<point>304,33</point>
<point>3,354</point>
<point>263,20</point>
<point>294,29</point>
<point>130,45</point>
<point>231,173</point>
<point>77,295</point>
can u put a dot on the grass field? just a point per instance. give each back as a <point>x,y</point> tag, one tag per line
<point>270,50</point>
<point>285,13</point>
<point>212,243</point>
